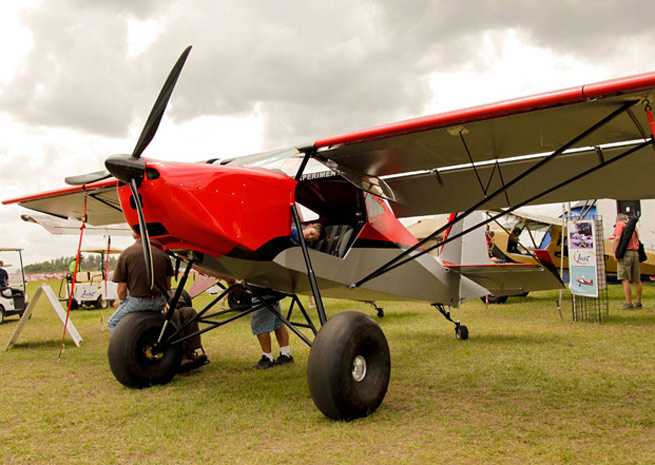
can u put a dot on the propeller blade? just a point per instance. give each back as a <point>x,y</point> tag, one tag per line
<point>158,109</point>
<point>145,239</point>
<point>87,178</point>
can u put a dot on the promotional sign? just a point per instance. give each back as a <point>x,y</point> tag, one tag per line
<point>583,269</point>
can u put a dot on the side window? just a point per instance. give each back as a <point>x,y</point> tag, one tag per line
<point>306,214</point>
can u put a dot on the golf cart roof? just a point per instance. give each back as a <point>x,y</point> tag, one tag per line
<point>10,249</point>
<point>100,250</point>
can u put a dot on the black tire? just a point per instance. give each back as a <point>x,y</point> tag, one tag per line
<point>239,298</point>
<point>100,303</point>
<point>129,354</point>
<point>2,314</point>
<point>461,332</point>
<point>495,299</point>
<point>74,305</point>
<point>347,340</point>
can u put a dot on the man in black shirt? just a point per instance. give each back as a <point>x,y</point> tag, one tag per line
<point>130,274</point>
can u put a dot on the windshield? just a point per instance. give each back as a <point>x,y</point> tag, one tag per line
<point>287,161</point>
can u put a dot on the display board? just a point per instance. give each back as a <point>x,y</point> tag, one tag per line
<point>583,259</point>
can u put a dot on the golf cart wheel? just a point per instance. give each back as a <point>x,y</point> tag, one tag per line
<point>239,297</point>
<point>74,305</point>
<point>100,303</point>
<point>2,314</point>
<point>461,332</point>
<point>349,366</point>
<point>131,357</point>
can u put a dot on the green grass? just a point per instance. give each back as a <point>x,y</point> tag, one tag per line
<point>526,388</point>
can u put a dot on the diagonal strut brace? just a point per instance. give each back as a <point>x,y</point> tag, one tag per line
<point>388,266</point>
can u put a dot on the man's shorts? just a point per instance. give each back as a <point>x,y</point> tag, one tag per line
<point>263,320</point>
<point>628,267</point>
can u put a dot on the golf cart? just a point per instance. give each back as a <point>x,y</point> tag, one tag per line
<point>13,299</point>
<point>93,289</point>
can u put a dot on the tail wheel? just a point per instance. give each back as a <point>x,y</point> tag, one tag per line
<point>132,359</point>
<point>461,332</point>
<point>349,366</point>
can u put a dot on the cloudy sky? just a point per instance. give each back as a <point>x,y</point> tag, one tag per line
<point>79,76</point>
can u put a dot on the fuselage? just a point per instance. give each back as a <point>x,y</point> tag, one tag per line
<point>238,220</point>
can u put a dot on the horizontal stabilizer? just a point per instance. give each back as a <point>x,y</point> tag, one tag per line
<point>511,278</point>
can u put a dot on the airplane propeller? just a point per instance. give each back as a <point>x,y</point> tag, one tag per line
<point>82,179</point>
<point>130,169</point>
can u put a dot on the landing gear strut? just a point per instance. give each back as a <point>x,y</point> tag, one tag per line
<point>461,331</point>
<point>380,310</point>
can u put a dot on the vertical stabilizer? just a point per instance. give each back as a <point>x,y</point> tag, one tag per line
<point>469,249</point>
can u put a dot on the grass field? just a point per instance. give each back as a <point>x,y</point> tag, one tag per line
<point>526,388</point>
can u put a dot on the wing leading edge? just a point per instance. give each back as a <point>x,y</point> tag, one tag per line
<point>103,207</point>
<point>445,160</point>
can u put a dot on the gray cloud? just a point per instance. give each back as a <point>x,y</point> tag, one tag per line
<point>313,68</point>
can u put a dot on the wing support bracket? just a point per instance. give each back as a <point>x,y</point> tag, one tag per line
<point>401,259</point>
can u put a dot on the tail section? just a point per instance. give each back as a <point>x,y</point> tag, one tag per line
<point>469,249</point>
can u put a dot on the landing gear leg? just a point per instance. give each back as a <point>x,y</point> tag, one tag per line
<point>461,331</point>
<point>380,310</point>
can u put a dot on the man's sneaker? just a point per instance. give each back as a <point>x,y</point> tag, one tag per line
<point>626,306</point>
<point>638,305</point>
<point>282,359</point>
<point>264,363</point>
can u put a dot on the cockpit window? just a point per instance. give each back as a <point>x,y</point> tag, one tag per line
<point>366,182</point>
<point>287,161</point>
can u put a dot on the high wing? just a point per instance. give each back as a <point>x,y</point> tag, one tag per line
<point>103,207</point>
<point>447,162</point>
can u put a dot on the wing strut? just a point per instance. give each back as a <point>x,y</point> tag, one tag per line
<point>398,260</point>
<point>310,271</point>
<point>485,189</point>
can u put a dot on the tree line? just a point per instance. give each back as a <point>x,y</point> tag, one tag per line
<point>90,263</point>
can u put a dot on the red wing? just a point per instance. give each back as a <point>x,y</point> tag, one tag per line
<point>470,152</point>
<point>529,125</point>
<point>103,207</point>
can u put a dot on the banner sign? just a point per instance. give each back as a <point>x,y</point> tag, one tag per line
<point>583,269</point>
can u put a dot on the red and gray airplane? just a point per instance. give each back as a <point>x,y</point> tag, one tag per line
<point>232,218</point>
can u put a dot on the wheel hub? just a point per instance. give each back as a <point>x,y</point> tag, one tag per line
<point>152,356</point>
<point>359,368</point>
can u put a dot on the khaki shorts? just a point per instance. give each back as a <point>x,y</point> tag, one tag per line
<point>628,267</point>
